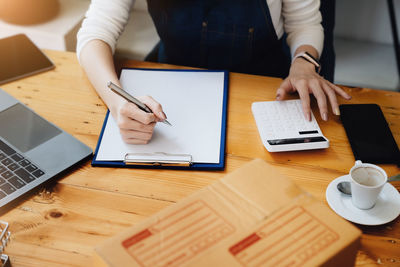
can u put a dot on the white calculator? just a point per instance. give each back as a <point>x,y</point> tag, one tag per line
<point>283,127</point>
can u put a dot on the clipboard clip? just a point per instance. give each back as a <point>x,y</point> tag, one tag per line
<point>158,159</point>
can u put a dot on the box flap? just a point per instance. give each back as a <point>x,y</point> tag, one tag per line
<point>252,215</point>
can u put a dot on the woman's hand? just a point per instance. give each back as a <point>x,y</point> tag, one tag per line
<point>135,125</point>
<point>305,80</point>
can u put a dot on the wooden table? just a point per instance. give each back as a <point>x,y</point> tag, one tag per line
<point>60,226</point>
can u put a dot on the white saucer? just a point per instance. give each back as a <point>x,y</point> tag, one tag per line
<point>386,209</point>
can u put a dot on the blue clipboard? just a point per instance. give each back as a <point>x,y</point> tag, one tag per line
<point>154,164</point>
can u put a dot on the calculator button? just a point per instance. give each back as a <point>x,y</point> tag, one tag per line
<point>2,156</point>
<point>2,195</point>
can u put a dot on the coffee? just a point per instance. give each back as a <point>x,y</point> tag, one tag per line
<point>367,181</point>
<point>368,176</point>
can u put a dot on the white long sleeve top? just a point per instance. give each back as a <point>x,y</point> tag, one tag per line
<point>300,19</point>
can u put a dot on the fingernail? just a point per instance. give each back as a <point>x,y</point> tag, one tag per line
<point>348,97</point>
<point>162,115</point>
<point>308,117</point>
<point>278,97</point>
<point>337,111</point>
<point>325,116</point>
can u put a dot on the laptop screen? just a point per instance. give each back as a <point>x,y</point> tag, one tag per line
<point>24,129</point>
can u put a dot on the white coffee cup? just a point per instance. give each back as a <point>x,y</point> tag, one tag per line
<point>367,181</point>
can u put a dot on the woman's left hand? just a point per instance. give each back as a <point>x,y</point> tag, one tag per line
<point>305,80</point>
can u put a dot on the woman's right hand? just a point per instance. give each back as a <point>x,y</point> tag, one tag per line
<point>135,125</point>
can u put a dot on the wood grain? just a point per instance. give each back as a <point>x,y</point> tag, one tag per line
<point>61,224</point>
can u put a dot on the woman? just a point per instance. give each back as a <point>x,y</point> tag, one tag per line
<point>238,35</point>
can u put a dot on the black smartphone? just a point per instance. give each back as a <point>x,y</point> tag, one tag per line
<point>20,57</point>
<point>369,134</point>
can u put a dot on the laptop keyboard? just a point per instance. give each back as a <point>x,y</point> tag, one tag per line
<point>15,170</point>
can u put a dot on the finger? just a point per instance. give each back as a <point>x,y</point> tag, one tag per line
<point>340,91</point>
<point>155,107</point>
<point>302,89</point>
<point>133,141</point>
<point>129,124</point>
<point>321,98</point>
<point>332,97</point>
<point>283,89</point>
<point>131,134</point>
<point>132,111</point>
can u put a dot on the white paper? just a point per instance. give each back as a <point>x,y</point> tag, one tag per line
<point>193,103</point>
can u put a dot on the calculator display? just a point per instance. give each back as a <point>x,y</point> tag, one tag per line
<point>288,141</point>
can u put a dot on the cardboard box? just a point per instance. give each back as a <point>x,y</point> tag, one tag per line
<point>251,217</point>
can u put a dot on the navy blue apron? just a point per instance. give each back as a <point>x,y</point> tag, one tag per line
<point>236,35</point>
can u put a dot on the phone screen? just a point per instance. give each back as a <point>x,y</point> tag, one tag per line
<point>19,57</point>
<point>369,134</point>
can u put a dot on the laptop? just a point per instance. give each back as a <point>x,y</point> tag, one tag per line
<point>32,150</point>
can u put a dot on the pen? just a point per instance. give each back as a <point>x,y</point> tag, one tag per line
<point>118,90</point>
